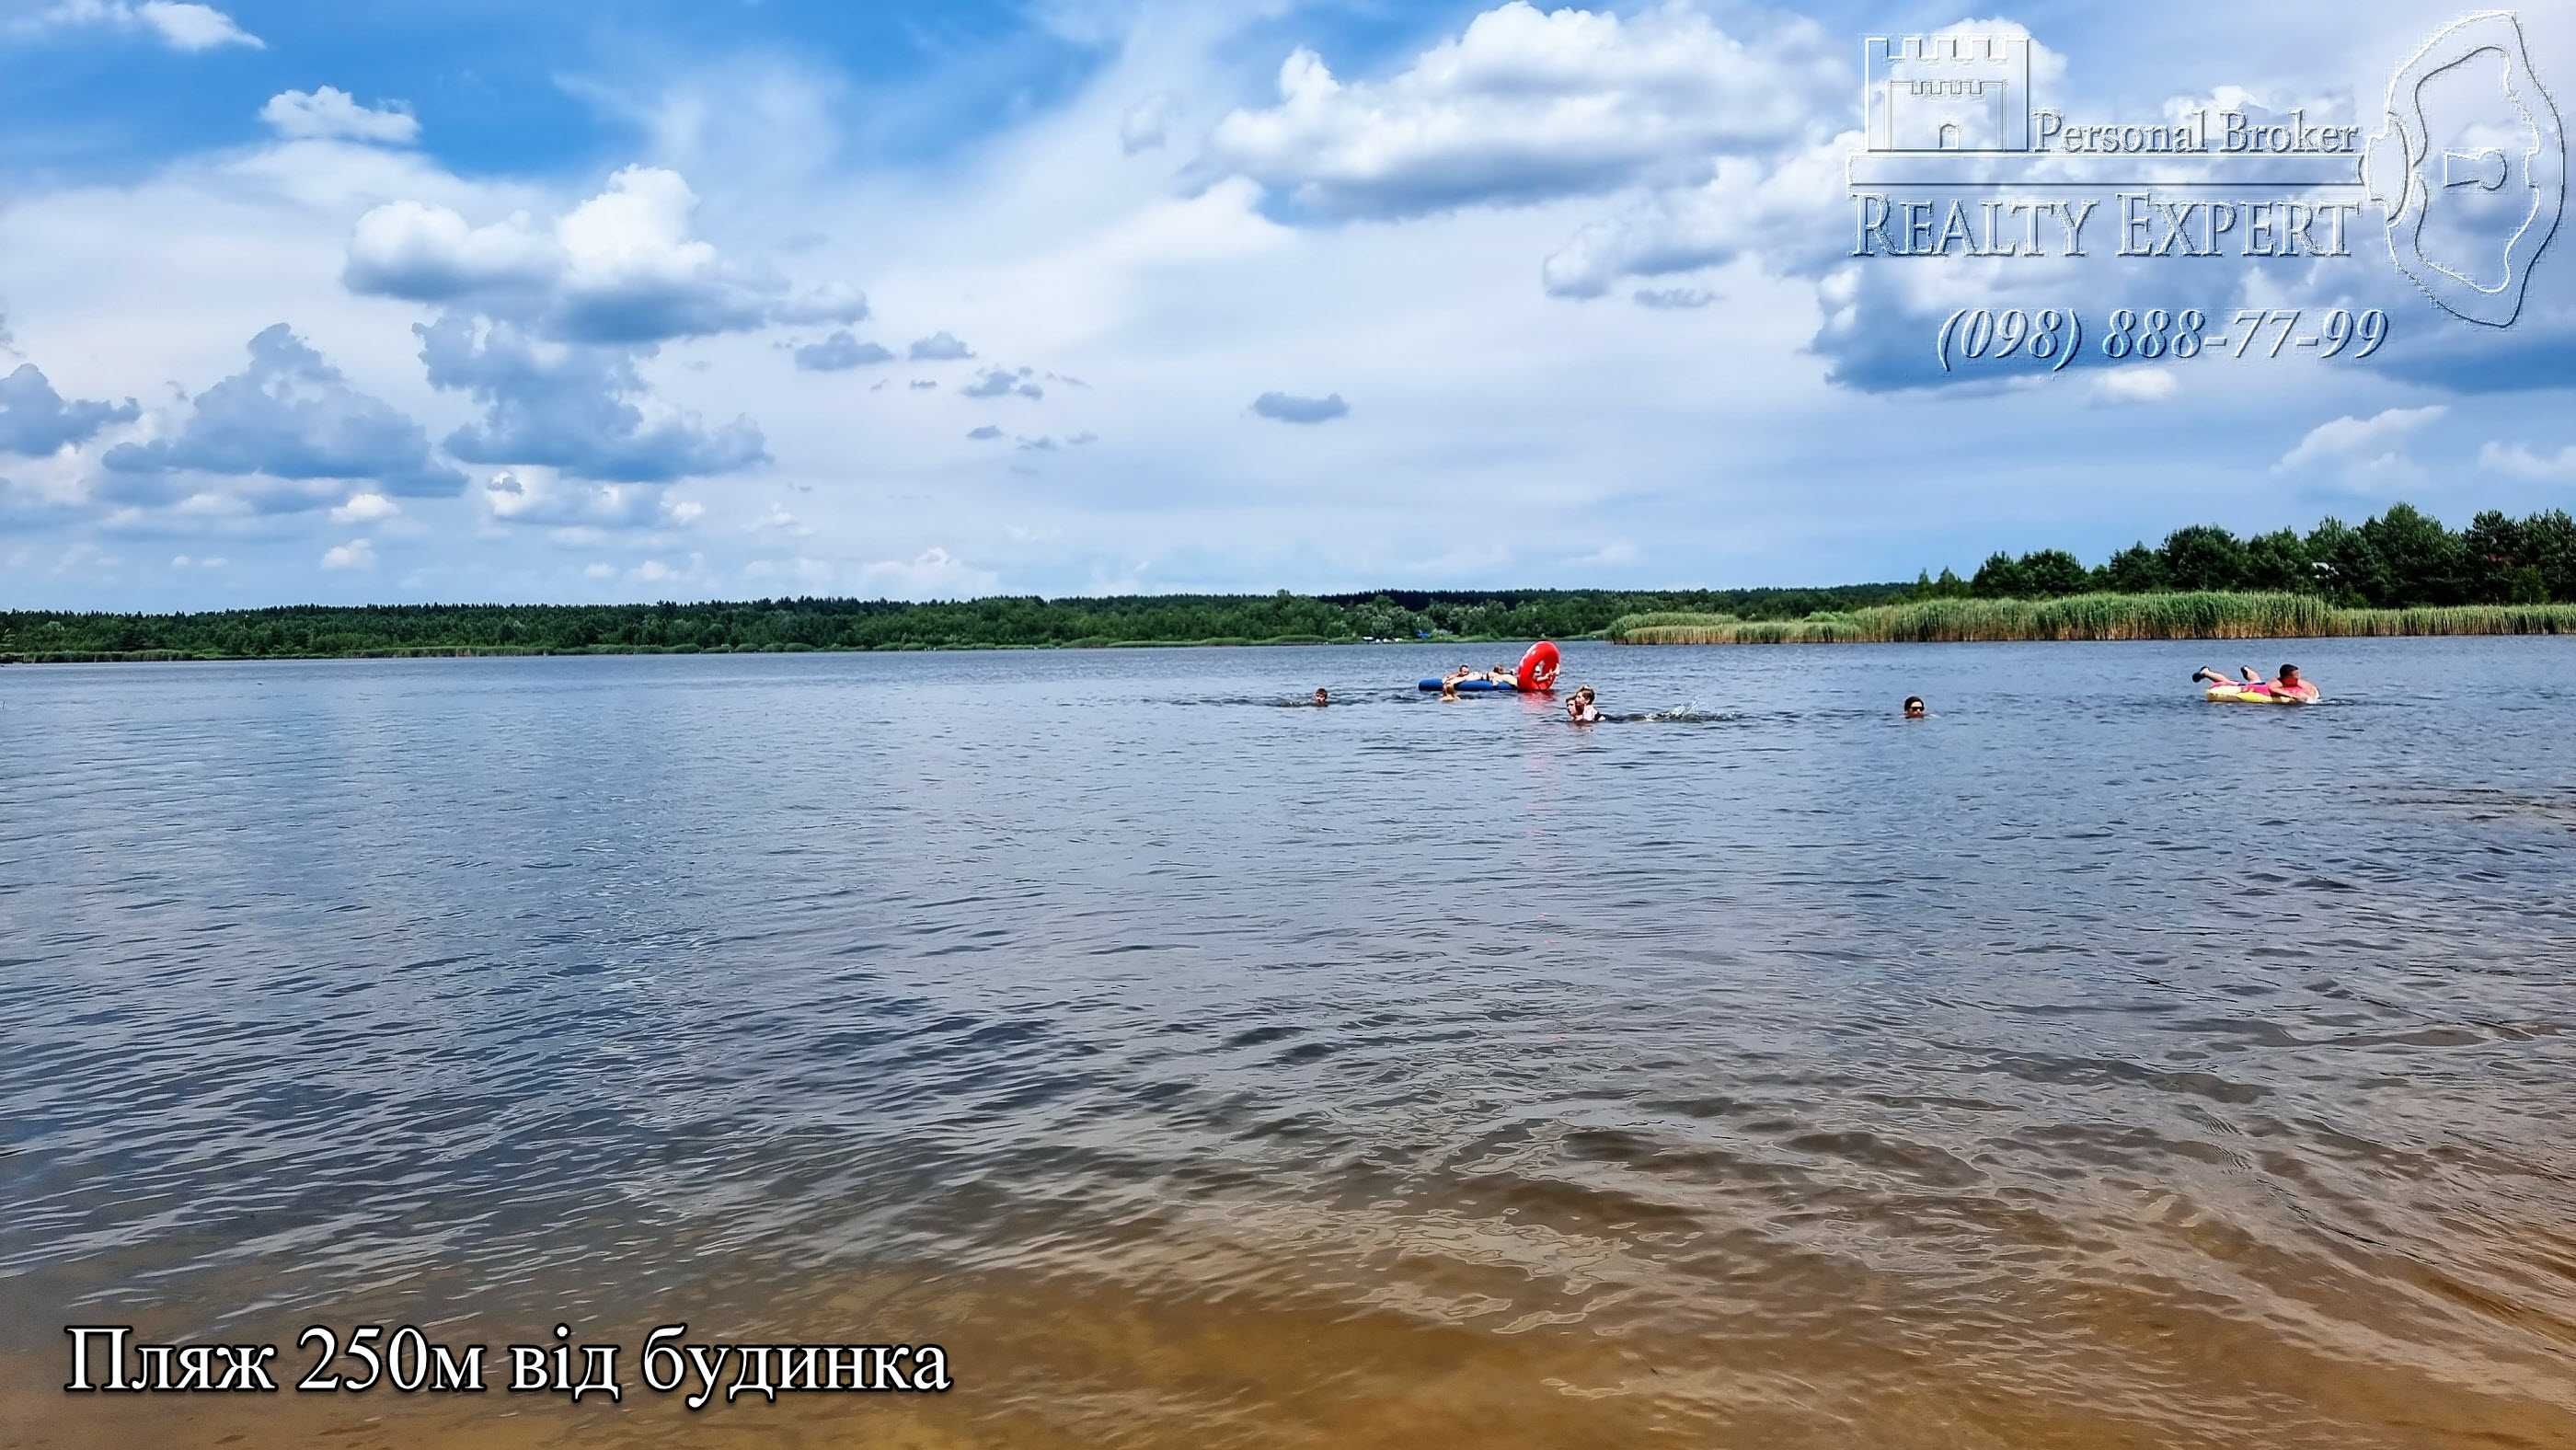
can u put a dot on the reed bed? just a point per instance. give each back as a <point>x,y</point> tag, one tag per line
<point>2096,617</point>
<point>1661,618</point>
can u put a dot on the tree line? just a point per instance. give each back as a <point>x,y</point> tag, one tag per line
<point>2401,558</point>
<point>875,624</point>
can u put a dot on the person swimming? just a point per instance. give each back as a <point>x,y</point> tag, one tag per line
<point>1322,697</point>
<point>1914,708</point>
<point>1582,709</point>
<point>1449,691</point>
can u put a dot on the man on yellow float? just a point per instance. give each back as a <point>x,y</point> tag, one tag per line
<point>2286,688</point>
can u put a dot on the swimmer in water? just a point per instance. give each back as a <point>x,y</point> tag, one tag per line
<point>1914,709</point>
<point>1449,691</point>
<point>1321,697</point>
<point>1582,709</point>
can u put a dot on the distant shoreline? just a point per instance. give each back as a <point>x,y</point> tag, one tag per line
<point>1468,620</point>
<point>2401,573</point>
<point>778,625</point>
<point>445,652</point>
<point>2098,618</point>
<point>2082,619</point>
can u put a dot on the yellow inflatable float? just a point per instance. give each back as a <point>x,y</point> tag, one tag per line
<point>2262,695</point>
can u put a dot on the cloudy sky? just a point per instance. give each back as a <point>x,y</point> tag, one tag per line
<point>520,302</point>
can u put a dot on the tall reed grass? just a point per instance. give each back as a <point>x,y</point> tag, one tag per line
<point>2096,617</point>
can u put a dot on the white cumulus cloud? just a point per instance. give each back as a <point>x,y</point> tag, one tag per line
<point>1144,125</point>
<point>357,554</point>
<point>534,495</point>
<point>2349,437</point>
<point>329,113</point>
<point>1526,105</point>
<point>1789,212</point>
<point>180,26</point>
<point>2135,385</point>
<point>365,508</point>
<point>2521,461</point>
<point>622,268</point>
<point>932,574</point>
<point>656,571</point>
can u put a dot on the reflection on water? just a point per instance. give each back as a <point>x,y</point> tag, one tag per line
<point>2084,1066</point>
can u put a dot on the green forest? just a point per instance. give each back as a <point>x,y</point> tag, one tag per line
<point>863,624</point>
<point>2402,559</point>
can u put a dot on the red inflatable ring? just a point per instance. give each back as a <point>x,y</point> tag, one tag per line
<point>1538,667</point>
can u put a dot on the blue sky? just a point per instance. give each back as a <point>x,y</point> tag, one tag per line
<point>505,302</point>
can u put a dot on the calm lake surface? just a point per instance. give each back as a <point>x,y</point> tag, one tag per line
<point>2087,1065</point>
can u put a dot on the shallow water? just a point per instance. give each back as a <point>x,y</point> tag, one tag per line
<point>2086,1065</point>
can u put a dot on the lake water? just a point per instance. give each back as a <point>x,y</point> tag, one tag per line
<point>2087,1065</point>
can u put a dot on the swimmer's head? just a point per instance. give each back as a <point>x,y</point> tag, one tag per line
<point>1914,707</point>
<point>2289,674</point>
<point>1321,697</point>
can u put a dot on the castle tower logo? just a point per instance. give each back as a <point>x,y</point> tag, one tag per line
<point>1947,92</point>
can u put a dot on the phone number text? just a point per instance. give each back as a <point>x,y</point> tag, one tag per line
<point>2052,337</point>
